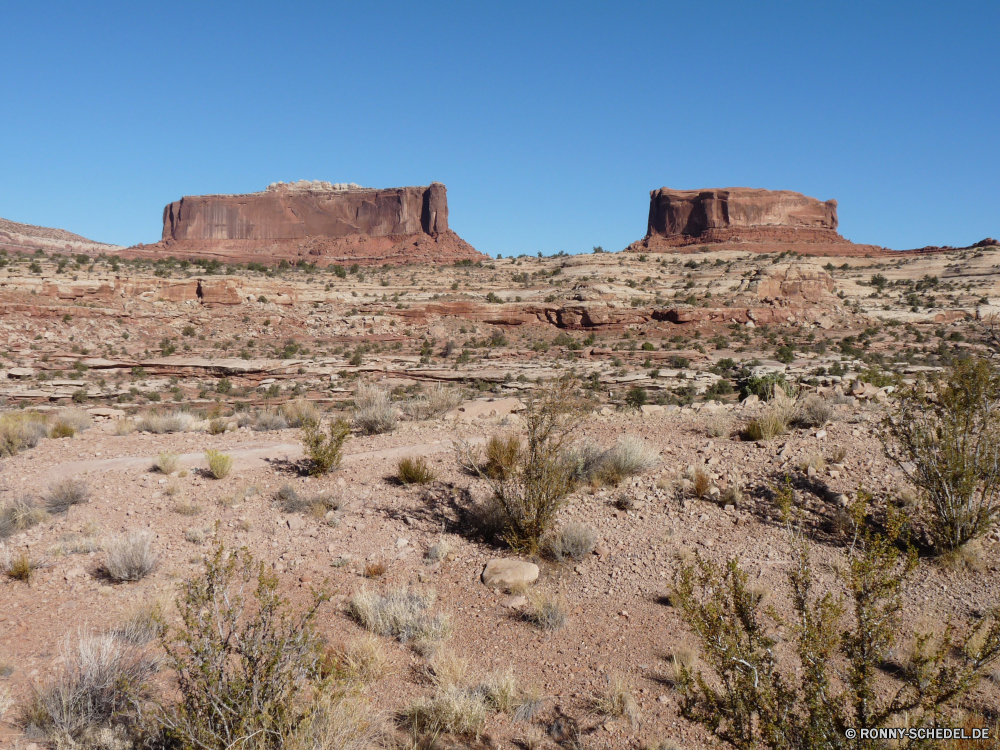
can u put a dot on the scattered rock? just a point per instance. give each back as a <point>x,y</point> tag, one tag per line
<point>508,572</point>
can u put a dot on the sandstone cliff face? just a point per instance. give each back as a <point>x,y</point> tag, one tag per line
<point>287,213</point>
<point>745,216</point>
<point>318,222</point>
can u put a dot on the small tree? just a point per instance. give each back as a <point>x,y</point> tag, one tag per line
<point>948,444</point>
<point>531,488</point>
<point>244,664</point>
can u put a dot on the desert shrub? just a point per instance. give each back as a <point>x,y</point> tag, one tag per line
<point>814,411</point>
<point>325,450</point>
<point>69,422</point>
<point>219,464</point>
<point>718,424</point>
<point>616,699</point>
<point>636,397</point>
<point>159,424</point>
<point>376,569</point>
<point>266,420</point>
<point>948,444</point>
<point>530,492</point>
<point>749,698</point>
<point>630,455</point>
<point>244,661</point>
<point>20,430</point>
<point>130,557</point>
<point>586,461</point>
<point>65,493</point>
<point>374,413</point>
<point>574,541</point>
<point>217,426</point>
<point>545,611</point>
<point>766,386</point>
<point>414,471</point>
<point>432,403</point>
<point>19,514</point>
<point>289,500</point>
<point>814,461</point>
<point>195,535</point>
<point>399,613</point>
<point>97,694</point>
<point>299,411</point>
<point>123,427</point>
<point>774,421</point>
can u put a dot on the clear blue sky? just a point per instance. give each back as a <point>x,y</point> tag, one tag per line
<point>549,122</point>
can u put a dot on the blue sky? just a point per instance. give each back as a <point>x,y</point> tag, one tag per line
<point>549,122</point>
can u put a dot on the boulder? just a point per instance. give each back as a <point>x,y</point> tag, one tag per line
<point>507,572</point>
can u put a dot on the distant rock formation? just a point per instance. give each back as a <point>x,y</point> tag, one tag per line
<point>760,219</point>
<point>26,238</point>
<point>316,221</point>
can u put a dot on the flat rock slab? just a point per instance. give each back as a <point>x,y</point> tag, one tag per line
<point>473,410</point>
<point>507,572</point>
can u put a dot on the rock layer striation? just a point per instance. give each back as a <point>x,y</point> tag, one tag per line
<point>315,221</point>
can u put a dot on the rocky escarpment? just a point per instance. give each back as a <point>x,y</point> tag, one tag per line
<point>15,237</point>
<point>757,218</point>
<point>316,221</point>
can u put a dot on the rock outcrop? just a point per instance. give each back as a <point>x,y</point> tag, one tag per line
<point>755,218</point>
<point>26,238</point>
<point>314,221</point>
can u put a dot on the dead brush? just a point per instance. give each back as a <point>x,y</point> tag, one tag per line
<point>64,494</point>
<point>130,557</point>
<point>299,411</point>
<point>814,411</point>
<point>362,660</point>
<point>433,403</point>
<point>374,413</point>
<point>574,541</point>
<point>837,454</point>
<point>376,569</point>
<point>701,482</point>
<point>21,430</point>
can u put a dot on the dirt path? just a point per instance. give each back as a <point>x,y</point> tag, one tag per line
<point>248,458</point>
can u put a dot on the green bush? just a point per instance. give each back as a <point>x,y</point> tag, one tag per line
<point>245,664</point>
<point>324,450</point>
<point>414,471</point>
<point>948,444</point>
<point>748,697</point>
<point>636,397</point>
<point>219,464</point>
<point>764,386</point>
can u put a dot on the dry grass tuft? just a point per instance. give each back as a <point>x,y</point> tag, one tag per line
<point>545,611</point>
<point>574,541</point>
<point>66,493</point>
<point>337,720</point>
<point>364,660</point>
<point>966,559</point>
<point>438,552</point>
<point>130,557</point>
<point>814,411</point>
<point>166,462</point>
<point>19,567</point>
<point>19,515</point>
<point>399,613</point>
<point>186,508</point>
<point>123,426</point>
<point>814,461</point>
<point>718,424</point>
<point>374,413</point>
<point>414,471</point>
<point>433,403</point>
<point>266,420</point>
<point>102,680</point>
<point>630,455</point>
<point>160,424</point>
<point>616,700</point>
<point>69,422</point>
<point>376,569</point>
